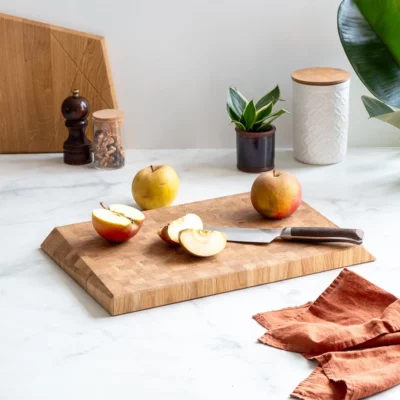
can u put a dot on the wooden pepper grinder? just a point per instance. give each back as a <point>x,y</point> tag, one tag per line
<point>77,148</point>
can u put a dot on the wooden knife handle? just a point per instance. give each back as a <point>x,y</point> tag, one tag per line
<point>315,234</point>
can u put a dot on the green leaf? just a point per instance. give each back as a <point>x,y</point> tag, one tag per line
<point>240,126</point>
<point>379,110</point>
<point>236,101</point>
<point>375,107</point>
<point>263,128</point>
<point>267,123</point>
<point>249,115</point>
<point>232,115</point>
<point>256,125</point>
<point>369,31</point>
<point>263,112</point>
<point>272,96</point>
<point>384,17</point>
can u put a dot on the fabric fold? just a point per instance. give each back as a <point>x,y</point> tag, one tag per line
<point>351,330</point>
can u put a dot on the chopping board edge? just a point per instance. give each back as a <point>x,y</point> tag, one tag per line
<point>119,308</point>
<point>76,267</point>
<point>117,305</point>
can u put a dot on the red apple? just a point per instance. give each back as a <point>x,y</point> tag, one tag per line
<point>117,223</point>
<point>276,194</point>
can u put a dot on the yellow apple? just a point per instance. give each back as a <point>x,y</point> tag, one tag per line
<point>117,223</point>
<point>155,186</point>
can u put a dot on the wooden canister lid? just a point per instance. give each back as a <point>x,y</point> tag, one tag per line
<point>320,76</point>
<point>108,115</point>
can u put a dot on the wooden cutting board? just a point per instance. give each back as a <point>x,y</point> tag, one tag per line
<point>39,66</point>
<point>145,272</point>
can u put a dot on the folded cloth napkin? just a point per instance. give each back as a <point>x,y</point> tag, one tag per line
<point>352,330</point>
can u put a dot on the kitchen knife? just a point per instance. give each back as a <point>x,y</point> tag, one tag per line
<point>309,234</point>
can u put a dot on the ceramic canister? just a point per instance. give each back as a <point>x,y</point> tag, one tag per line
<point>320,115</point>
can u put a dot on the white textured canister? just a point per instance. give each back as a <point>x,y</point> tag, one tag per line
<point>320,115</point>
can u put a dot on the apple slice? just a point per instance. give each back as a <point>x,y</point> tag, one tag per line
<point>164,235</point>
<point>202,243</point>
<point>170,233</point>
<point>117,223</point>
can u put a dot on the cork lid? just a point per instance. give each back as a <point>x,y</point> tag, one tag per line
<point>320,76</point>
<point>108,115</point>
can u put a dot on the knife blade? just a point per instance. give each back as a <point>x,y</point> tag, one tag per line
<point>303,233</point>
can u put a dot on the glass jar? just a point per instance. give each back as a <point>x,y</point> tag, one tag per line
<point>107,139</point>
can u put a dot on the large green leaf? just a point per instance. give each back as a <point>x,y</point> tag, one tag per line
<point>379,110</point>
<point>249,115</point>
<point>272,96</point>
<point>375,107</point>
<point>369,31</point>
<point>384,17</point>
<point>236,101</point>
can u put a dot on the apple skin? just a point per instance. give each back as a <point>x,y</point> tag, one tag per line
<point>276,194</point>
<point>163,233</point>
<point>115,233</point>
<point>155,187</point>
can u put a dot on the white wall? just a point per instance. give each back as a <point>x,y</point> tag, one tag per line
<point>173,61</point>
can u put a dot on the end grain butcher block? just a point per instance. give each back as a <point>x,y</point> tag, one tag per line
<point>145,272</point>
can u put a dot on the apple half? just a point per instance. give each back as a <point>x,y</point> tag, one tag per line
<point>117,223</point>
<point>202,243</point>
<point>170,233</point>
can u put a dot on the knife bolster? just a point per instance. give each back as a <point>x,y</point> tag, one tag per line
<point>286,234</point>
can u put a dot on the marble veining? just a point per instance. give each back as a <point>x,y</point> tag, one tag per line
<point>56,342</point>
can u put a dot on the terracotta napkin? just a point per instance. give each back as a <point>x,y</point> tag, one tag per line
<point>352,330</point>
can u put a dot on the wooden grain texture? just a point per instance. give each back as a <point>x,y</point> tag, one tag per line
<point>145,272</point>
<point>320,76</point>
<point>39,65</point>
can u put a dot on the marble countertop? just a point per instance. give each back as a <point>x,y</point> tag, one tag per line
<point>56,342</point>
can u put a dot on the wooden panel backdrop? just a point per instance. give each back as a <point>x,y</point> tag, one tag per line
<point>39,65</point>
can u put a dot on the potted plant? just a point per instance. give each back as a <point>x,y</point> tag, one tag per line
<point>369,32</point>
<point>255,134</point>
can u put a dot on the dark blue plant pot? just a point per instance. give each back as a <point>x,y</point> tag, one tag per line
<point>255,150</point>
